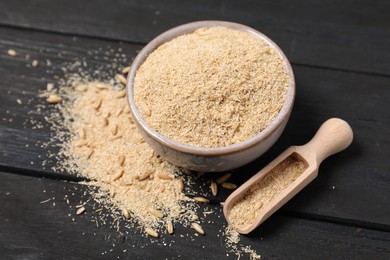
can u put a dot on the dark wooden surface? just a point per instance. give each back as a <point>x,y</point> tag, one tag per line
<point>340,56</point>
<point>350,35</point>
<point>34,230</point>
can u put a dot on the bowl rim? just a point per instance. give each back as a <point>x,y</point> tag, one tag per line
<point>206,151</point>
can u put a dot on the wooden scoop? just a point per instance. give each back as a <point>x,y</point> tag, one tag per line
<point>333,136</point>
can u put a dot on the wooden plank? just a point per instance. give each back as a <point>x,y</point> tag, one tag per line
<point>24,83</point>
<point>351,35</point>
<point>348,184</point>
<point>37,222</point>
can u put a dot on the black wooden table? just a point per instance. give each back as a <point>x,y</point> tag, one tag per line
<point>340,53</point>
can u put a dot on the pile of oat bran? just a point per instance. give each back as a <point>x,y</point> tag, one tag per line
<point>105,147</point>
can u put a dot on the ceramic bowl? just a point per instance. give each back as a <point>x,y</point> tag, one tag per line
<point>210,159</point>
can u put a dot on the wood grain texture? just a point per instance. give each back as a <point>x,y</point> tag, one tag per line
<point>349,35</point>
<point>34,229</point>
<point>348,183</point>
<point>21,81</point>
<point>341,59</point>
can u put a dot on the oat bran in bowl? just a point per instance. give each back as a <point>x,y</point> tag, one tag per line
<point>211,95</point>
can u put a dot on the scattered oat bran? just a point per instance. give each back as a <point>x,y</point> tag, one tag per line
<point>233,243</point>
<point>211,88</point>
<point>49,87</point>
<point>151,232</point>
<point>126,70</point>
<point>11,52</point>
<point>80,211</point>
<point>53,99</point>
<point>246,209</point>
<point>223,178</point>
<point>197,228</point>
<point>229,185</point>
<point>114,156</point>
<point>120,78</point>
<point>214,188</point>
<point>125,213</point>
<point>201,199</point>
<point>35,63</point>
<point>170,228</point>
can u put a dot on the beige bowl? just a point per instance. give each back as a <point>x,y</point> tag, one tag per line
<point>210,159</point>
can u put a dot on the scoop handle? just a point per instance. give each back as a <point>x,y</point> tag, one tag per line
<point>333,136</point>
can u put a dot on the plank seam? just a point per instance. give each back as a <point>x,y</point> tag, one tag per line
<point>18,27</point>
